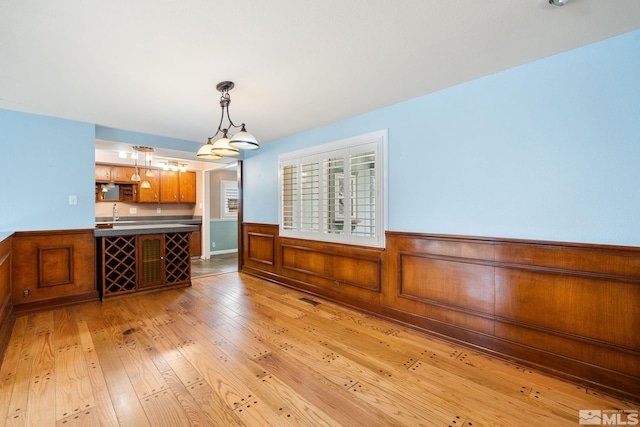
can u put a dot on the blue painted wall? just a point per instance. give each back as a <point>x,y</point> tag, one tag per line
<point>44,161</point>
<point>224,233</point>
<point>549,150</point>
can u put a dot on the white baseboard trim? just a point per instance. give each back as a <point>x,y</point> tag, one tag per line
<point>226,251</point>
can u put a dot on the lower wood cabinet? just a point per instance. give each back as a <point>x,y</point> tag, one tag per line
<point>140,262</point>
<point>195,242</point>
<point>151,263</point>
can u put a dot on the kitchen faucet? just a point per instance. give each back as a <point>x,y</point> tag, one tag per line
<point>115,212</point>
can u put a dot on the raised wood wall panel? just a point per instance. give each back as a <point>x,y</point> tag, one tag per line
<point>590,308</point>
<point>571,309</point>
<point>261,248</point>
<point>447,281</point>
<point>616,262</point>
<point>56,268</point>
<point>339,269</point>
<point>7,316</point>
<point>55,265</point>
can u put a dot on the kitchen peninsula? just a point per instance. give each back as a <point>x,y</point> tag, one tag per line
<point>140,256</point>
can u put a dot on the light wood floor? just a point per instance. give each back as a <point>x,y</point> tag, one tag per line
<point>233,350</point>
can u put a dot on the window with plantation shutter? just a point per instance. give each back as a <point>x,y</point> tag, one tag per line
<point>335,191</point>
<point>289,197</point>
<point>228,199</point>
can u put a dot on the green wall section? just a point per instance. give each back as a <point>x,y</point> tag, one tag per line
<point>224,233</point>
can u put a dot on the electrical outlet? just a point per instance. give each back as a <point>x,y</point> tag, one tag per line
<point>133,210</point>
<point>158,210</point>
<point>213,244</point>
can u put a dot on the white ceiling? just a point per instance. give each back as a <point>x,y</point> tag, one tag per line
<point>152,65</point>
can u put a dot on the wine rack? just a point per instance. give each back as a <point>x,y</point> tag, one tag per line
<point>119,265</point>
<point>177,258</point>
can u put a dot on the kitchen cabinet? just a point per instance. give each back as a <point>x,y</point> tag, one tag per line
<point>165,186</point>
<point>115,174</point>
<point>123,174</point>
<point>152,194</point>
<point>187,187</point>
<point>195,242</point>
<point>151,263</point>
<point>169,187</point>
<point>177,187</point>
<point>103,173</point>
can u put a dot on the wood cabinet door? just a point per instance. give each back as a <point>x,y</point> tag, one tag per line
<point>123,173</point>
<point>187,187</point>
<point>151,263</point>
<point>103,173</point>
<point>195,242</point>
<point>149,195</point>
<point>169,187</point>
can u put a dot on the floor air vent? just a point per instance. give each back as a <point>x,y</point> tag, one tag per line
<point>309,301</point>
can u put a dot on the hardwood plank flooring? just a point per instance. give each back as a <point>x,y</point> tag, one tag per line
<point>233,350</point>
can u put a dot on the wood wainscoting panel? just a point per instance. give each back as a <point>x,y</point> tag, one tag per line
<point>569,309</point>
<point>449,281</point>
<point>55,265</point>
<point>261,248</point>
<point>590,308</point>
<point>452,291</point>
<point>53,269</point>
<point>336,268</point>
<point>7,316</point>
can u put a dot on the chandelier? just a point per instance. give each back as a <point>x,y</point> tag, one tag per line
<point>227,145</point>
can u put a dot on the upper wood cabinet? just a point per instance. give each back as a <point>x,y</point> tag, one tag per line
<point>169,187</point>
<point>103,173</point>
<point>166,186</point>
<point>123,173</point>
<point>187,187</point>
<point>149,195</point>
<point>117,174</point>
<point>177,187</point>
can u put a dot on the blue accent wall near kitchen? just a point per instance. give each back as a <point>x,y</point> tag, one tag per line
<point>44,161</point>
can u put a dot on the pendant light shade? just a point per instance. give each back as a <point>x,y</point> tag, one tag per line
<point>226,146</point>
<point>222,148</point>
<point>205,152</point>
<point>244,140</point>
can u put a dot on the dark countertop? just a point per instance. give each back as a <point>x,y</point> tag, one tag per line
<point>144,220</point>
<point>137,228</point>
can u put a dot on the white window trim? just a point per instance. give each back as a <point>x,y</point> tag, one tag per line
<point>377,139</point>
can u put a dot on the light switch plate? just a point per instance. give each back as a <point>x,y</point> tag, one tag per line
<point>73,200</point>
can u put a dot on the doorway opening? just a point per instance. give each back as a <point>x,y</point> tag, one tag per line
<point>221,217</point>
